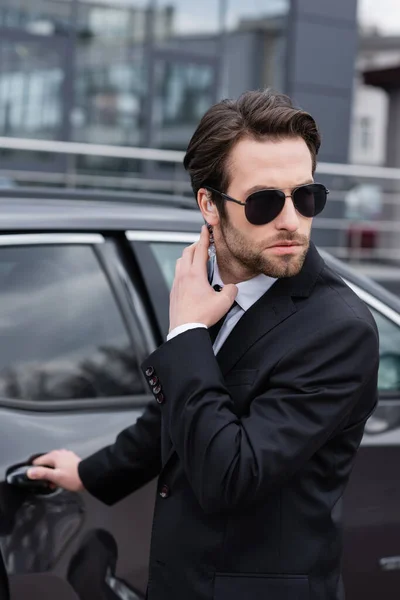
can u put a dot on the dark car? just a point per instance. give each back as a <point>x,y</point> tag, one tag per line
<point>84,289</point>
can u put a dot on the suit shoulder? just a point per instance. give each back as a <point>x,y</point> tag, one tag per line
<point>341,300</point>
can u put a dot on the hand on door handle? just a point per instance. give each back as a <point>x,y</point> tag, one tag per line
<point>18,477</point>
<point>60,467</point>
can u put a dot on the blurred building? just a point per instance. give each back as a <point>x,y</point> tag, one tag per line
<point>142,72</point>
<point>374,135</point>
<point>375,132</point>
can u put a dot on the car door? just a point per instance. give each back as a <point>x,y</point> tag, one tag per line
<point>372,499</point>
<point>73,331</point>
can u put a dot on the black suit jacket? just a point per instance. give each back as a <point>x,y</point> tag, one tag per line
<point>253,447</point>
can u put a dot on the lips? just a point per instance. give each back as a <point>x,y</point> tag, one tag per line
<point>286,244</point>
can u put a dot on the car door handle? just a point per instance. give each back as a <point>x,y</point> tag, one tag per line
<point>18,477</point>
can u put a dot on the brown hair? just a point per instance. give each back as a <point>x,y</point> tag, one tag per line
<point>257,114</point>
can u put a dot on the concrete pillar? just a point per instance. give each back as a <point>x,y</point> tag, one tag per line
<point>392,211</point>
<point>321,52</point>
<point>393,134</point>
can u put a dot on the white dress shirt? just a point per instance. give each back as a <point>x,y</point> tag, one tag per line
<point>248,293</point>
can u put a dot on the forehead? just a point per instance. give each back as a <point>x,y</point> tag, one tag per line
<point>269,163</point>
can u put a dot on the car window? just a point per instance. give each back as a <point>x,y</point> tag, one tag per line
<point>61,332</point>
<point>389,350</point>
<point>166,254</point>
<point>386,416</point>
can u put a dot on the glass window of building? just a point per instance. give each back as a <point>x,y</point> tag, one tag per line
<point>184,91</point>
<point>190,18</point>
<point>31,82</point>
<point>110,77</point>
<point>41,17</point>
<point>112,21</point>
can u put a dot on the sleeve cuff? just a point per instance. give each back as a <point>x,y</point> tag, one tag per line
<point>183,328</point>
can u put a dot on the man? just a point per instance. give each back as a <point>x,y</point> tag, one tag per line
<point>256,422</point>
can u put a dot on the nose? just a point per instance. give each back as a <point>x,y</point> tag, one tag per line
<point>288,218</point>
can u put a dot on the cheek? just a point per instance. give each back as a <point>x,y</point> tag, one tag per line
<point>305,226</point>
<point>254,234</point>
<point>260,234</point>
<point>237,217</point>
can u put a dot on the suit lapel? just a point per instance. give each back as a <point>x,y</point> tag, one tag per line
<point>270,310</point>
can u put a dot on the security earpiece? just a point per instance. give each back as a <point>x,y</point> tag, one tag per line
<point>211,248</point>
<point>210,205</point>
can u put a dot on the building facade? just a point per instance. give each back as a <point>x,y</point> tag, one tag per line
<point>142,72</point>
<point>377,77</point>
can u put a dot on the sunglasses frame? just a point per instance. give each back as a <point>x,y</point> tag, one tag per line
<point>230,199</point>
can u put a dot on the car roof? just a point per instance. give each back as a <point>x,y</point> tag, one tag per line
<point>61,214</point>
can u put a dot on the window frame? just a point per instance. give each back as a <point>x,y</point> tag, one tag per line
<point>98,244</point>
<point>128,297</point>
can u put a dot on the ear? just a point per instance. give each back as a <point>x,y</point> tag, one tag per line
<point>207,207</point>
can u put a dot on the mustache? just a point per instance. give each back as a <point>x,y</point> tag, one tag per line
<point>296,238</point>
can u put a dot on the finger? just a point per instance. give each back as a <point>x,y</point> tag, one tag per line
<point>51,475</point>
<point>229,292</point>
<point>46,460</point>
<point>178,267</point>
<point>187,256</point>
<point>200,257</point>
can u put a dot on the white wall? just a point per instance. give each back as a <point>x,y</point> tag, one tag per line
<point>369,125</point>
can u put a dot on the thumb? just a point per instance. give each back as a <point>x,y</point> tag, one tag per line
<point>229,292</point>
<point>43,473</point>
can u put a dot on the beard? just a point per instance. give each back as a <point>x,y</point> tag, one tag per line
<point>257,260</point>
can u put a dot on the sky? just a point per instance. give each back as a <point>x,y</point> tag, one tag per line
<point>385,14</point>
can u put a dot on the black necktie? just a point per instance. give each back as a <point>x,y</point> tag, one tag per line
<point>215,329</point>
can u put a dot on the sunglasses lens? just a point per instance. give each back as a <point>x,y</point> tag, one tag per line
<point>310,200</point>
<point>264,206</point>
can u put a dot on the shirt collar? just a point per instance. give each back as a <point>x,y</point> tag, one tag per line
<point>248,291</point>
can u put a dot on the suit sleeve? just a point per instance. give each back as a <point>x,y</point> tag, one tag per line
<point>132,461</point>
<point>232,463</point>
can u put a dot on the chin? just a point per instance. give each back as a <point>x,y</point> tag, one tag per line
<point>284,266</point>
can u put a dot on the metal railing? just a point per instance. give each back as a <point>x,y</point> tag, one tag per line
<point>174,156</point>
<point>355,238</point>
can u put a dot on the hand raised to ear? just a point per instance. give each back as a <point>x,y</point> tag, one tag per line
<point>192,299</point>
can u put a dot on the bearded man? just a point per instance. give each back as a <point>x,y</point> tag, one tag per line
<point>263,387</point>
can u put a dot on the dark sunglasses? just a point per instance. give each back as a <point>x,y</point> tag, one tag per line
<point>265,205</point>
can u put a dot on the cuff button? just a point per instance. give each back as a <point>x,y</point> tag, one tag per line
<point>164,492</point>
<point>160,398</point>
<point>149,371</point>
<point>157,389</point>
